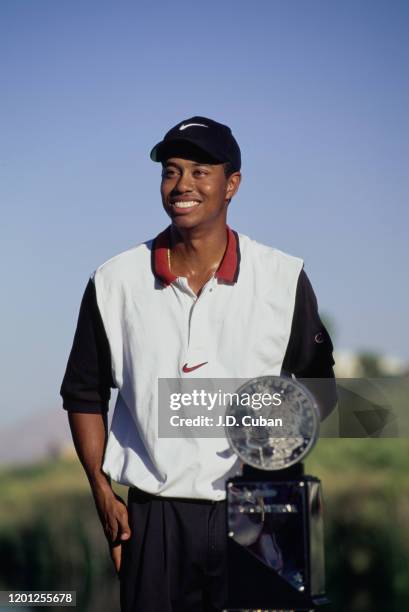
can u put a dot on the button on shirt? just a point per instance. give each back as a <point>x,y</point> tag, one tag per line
<point>138,322</point>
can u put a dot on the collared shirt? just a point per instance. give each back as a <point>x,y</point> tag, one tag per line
<point>257,315</point>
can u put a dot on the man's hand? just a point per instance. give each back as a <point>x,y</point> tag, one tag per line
<point>89,432</point>
<point>116,556</point>
<point>113,515</point>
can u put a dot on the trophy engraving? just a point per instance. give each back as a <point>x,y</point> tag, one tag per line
<point>274,446</point>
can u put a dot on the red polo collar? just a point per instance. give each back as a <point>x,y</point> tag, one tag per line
<point>228,271</point>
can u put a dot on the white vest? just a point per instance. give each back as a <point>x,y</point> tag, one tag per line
<point>239,327</point>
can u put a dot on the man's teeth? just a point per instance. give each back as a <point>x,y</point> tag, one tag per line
<point>185,204</point>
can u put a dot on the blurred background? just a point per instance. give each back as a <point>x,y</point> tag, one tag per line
<point>316,93</point>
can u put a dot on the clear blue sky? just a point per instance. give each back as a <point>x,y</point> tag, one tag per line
<point>317,94</point>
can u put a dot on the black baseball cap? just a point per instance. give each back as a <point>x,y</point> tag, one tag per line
<point>200,137</point>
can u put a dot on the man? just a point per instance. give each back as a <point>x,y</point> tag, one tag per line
<point>198,301</point>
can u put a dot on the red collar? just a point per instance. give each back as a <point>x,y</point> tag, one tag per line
<point>228,271</point>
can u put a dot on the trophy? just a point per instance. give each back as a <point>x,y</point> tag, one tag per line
<point>274,512</point>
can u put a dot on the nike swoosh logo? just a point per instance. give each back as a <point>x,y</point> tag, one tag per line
<point>186,369</point>
<point>186,125</point>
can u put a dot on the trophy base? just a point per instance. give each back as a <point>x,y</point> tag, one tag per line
<point>320,604</point>
<point>275,541</point>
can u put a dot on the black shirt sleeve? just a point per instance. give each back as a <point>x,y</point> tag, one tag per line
<point>88,377</point>
<point>309,350</point>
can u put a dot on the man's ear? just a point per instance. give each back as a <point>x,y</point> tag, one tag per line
<point>233,184</point>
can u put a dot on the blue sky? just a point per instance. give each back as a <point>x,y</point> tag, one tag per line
<point>317,94</point>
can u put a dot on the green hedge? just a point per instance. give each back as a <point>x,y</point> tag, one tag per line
<point>50,536</point>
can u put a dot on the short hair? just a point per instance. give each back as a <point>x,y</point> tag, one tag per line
<point>228,169</point>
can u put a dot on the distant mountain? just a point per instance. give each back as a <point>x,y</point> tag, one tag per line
<point>38,436</point>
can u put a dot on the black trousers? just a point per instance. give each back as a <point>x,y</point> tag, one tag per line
<point>175,560</point>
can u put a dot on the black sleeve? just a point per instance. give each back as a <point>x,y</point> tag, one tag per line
<point>309,350</point>
<point>88,377</point>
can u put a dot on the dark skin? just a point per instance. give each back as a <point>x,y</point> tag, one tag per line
<point>198,246</point>
<point>89,432</point>
<point>199,231</point>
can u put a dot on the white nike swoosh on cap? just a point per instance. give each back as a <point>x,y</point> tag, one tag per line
<point>186,125</point>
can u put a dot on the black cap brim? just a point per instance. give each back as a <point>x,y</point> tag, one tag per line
<point>184,148</point>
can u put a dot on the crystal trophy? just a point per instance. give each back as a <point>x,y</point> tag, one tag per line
<point>274,511</point>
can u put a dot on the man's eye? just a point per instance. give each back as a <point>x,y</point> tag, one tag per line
<point>200,172</point>
<point>168,173</point>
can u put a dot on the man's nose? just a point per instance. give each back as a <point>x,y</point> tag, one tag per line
<point>184,183</point>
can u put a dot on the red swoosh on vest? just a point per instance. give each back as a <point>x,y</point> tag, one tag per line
<point>186,369</point>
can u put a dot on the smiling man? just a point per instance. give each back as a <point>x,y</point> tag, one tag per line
<point>199,300</point>
<point>195,195</point>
